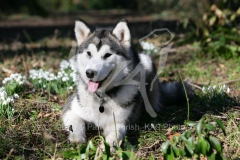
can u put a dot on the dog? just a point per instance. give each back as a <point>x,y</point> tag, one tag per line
<point>115,84</point>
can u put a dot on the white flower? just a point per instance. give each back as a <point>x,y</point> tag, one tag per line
<point>16,96</point>
<point>224,86</point>
<point>18,78</point>
<point>70,88</point>
<point>210,88</point>
<point>228,90</point>
<point>8,100</point>
<point>74,76</point>
<point>65,79</point>
<point>5,102</point>
<point>147,45</point>
<point>64,65</point>
<point>60,74</point>
<point>72,64</point>
<point>214,87</point>
<point>203,89</point>
<point>3,94</point>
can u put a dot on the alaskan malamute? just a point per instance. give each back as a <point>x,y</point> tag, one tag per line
<point>115,84</point>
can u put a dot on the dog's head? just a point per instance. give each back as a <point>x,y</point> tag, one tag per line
<point>103,54</point>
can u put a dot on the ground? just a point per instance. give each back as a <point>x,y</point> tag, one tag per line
<point>36,132</point>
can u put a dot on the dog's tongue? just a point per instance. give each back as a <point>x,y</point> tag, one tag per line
<point>92,86</point>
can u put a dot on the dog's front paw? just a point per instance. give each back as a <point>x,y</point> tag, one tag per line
<point>77,138</point>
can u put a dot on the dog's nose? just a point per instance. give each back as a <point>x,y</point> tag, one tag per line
<point>90,73</point>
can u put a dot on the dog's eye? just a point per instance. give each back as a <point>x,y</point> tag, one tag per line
<point>107,55</point>
<point>89,53</point>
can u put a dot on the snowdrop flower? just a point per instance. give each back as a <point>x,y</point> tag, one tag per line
<point>3,94</point>
<point>5,102</point>
<point>64,65</point>
<point>10,100</point>
<point>72,64</point>
<point>214,87</point>
<point>147,46</point>
<point>210,88</point>
<point>5,80</point>
<point>16,96</point>
<point>14,78</point>
<point>224,86</point>
<point>74,76</point>
<point>228,90</point>
<point>70,88</point>
<point>203,89</point>
<point>64,79</point>
<point>60,74</point>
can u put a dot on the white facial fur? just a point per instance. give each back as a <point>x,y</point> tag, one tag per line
<point>114,64</point>
<point>96,62</point>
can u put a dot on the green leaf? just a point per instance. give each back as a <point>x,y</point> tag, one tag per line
<point>170,154</point>
<point>55,88</point>
<point>187,134</point>
<point>190,145</point>
<point>164,147</point>
<point>176,150</point>
<point>212,20</point>
<point>202,146</point>
<point>199,127</point>
<point>175,139</point>
<point>221,126</point>
<point>190,149</point>
<point>219,156</point>
<point>82,148</point>
<point>183,137</point>
<point>210,127</point>
<point>190,142</point>
<point>104,156</point>
<point>215,144</point>
<point>69,154</point>
<point>107,148</point>
<point>87,151</point>
<point>91,145</point>
<point>182,152</point>
<point>212,156</point>
<point>128,155</point>
<point>190,123</point>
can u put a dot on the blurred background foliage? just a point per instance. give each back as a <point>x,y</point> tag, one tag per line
<point>215,24</point>
<point>46,7</point>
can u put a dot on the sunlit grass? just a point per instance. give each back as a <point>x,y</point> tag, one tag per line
<point>36,131</point>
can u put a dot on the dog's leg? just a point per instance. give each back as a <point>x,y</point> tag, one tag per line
<point>76,127</point>
<point>114,134</point>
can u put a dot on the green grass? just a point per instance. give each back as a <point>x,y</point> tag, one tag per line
<point>35,130</point>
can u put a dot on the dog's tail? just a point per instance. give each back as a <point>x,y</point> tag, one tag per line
<point>174,93</point>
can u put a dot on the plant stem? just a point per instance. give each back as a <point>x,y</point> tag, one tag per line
<point>185,91</point>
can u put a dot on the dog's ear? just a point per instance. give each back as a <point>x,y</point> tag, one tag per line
<point>82,30</point>
<point>122,32</point>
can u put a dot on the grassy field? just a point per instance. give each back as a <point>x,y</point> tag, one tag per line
<point>31,127</point>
